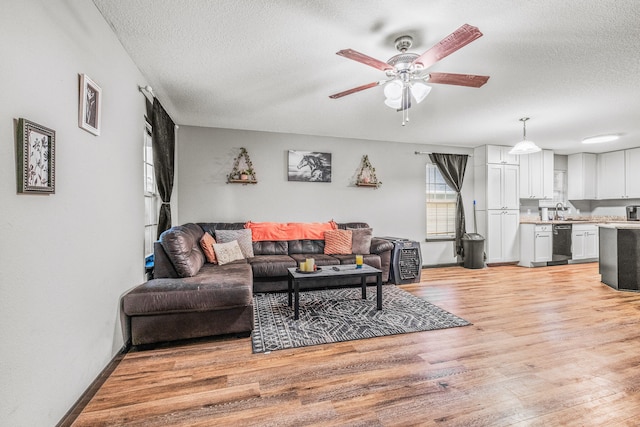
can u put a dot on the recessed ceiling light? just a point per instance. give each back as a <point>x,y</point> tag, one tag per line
<point>600,138</point>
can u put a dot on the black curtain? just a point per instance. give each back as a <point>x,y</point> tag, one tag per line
<point>452,168</point>
<point>164,142</point>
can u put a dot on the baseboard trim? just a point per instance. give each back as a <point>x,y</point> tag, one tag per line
<point>452,264</point>
<point>93,388</point>
<point>499,264</point>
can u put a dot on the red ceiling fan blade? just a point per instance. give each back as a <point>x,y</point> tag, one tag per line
<point>470,80</point>
<point>365,59</point>
<point>454,41</point>
<point>354,90</point>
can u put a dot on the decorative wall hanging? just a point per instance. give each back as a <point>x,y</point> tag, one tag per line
<point>309,166</point>
<point>367,175</point>
<point>89,105</point>
<point>35,148</point>
<point>242,172</point>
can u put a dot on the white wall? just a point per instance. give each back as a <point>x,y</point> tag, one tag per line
<point>65,259</point>
<point>397,208</point>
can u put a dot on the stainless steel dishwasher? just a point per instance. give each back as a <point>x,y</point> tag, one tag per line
<point>561,253</point>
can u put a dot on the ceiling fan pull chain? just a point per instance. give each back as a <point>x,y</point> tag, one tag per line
<point>405,104</point>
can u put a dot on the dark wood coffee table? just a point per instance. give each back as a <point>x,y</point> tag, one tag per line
<point>328,273</point>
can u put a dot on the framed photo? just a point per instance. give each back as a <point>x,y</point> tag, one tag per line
<point>309,166</point>
<point>36,147</point>
<point>89,105</point>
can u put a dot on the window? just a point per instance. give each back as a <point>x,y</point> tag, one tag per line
<point>150,195</point>
<point>560,186</point>
<point>441,206</point>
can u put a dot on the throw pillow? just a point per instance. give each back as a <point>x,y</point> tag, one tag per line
<point>242,236</point>
<point>227,252</point>
<point>337,242</point>
<point>361,241</point>
<point>206,243</point>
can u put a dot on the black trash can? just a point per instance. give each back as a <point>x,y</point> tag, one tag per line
<point>473,247</point>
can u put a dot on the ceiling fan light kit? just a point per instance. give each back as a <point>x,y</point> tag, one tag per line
<point>524,146</point>
<point>406,75</point>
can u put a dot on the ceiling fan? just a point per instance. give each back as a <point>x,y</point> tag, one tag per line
<point>406,72</point>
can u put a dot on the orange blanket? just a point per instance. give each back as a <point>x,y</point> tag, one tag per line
<point>261,231</point>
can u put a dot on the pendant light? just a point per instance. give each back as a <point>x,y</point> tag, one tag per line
<point>524,146</point>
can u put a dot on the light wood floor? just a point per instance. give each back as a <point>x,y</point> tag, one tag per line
<point>548,347</point>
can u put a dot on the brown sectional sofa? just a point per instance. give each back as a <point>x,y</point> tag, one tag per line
<point>190,298</point>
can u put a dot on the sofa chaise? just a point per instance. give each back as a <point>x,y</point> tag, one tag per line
<point>190,297</point>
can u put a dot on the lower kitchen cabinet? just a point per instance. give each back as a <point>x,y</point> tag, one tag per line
<point>502,235</point>
<point>584,241</point>
<point>536,244</point>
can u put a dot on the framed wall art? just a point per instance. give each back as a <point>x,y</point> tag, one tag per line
<point>36,147</point>
<point>309,166</point>
<point>89,105</point>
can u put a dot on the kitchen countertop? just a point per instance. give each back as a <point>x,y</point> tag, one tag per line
<point>609,221</point>
<point>622,225</point>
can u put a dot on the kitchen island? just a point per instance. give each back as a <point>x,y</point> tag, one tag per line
<point>620,255</point>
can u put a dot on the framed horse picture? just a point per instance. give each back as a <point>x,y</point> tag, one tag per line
<point>309,166</point>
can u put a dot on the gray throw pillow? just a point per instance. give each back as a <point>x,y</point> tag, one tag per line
<point>361,240</point>
<point>227,252</point>
<point>242,236</point>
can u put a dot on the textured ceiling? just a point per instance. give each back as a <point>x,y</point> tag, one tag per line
<point>572,66</point>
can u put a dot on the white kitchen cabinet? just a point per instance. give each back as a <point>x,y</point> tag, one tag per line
<point>619,174</point>
<point>611,175</point>
<point>577,244</point>
<point>632,173</point>
<point>536,244</point>
<point>536,175</point>
<point>543,244</point>
<point>584,241</point>
<point>497,195</point>
<point>592,243</point>
<point>502,241</point>
<point>502,187</point>
<point>499,154</point>
<point>582,176</point>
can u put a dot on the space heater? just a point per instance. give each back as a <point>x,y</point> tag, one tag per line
<point>406,261</point>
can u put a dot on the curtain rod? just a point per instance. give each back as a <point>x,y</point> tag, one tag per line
<point>429,152</point>
<point>147,89</point>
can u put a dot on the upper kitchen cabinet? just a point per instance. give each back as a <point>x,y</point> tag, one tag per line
<point>536,175</point>
<point>632,173</point>
<point>581,183</point>
<point>618,174</point>
<point>502,187</point>
<point>497,184</point>
<point>611,175</point>
<point>498,154</point>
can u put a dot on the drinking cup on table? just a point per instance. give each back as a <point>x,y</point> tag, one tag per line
<point>359,261</point>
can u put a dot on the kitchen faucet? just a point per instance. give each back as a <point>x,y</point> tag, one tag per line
<point>561,216</point>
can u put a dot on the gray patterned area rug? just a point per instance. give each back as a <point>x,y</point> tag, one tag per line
<point>341,314</point>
